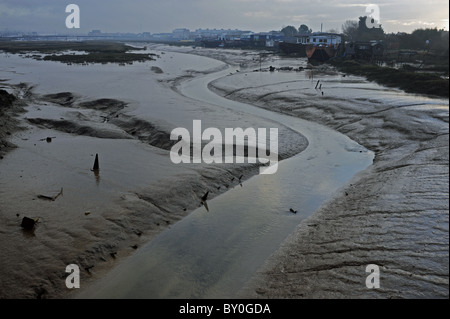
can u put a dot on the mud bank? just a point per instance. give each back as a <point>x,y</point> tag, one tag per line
<point>102,218</point>
<point>91,228</point>
<point>10,107</point>
<point>394,214</point>
<point>411,81</point>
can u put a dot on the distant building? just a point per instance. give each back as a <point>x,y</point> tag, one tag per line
<point>95,33</point>
<point>181,34</point>
<point>263,39</point>
<point>320,38</point>
<point>218,34</point>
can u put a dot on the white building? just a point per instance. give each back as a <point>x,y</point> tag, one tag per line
<point>320,38</point>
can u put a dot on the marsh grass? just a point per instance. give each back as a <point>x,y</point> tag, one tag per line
<point>409,80</point>
<point>96,51</point>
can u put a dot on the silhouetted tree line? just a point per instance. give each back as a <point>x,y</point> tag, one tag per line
<point>423,39</point>
<point>291,31</point>
<point>420,39</point>
<point>358,31</point>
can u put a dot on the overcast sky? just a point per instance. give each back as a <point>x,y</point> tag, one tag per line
<point>256,15</point>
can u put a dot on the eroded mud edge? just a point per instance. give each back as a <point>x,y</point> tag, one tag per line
<point>137,217</point>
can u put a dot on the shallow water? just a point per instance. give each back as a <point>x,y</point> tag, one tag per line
<point>208,254</point>
<point>212,254</point>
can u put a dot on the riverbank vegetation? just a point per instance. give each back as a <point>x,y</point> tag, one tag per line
<point>406,78</point>
<point>64,51</point>
<point>416,62</point>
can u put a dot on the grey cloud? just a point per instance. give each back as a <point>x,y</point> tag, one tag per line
<point>257,15</point>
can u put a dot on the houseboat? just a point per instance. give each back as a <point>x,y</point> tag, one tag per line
<point>293,46</point>
<point>321,46</point>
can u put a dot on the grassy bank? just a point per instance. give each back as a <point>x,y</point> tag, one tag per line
<point>100,58</point>
<point>49,47</point>
<point>96,51</point>
<point>410,81</point>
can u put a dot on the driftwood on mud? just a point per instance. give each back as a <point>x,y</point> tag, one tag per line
<point>52,198</point>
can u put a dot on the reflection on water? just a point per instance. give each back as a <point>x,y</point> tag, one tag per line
<point>97,176</point>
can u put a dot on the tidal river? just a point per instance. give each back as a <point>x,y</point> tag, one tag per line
<point>212,254</point>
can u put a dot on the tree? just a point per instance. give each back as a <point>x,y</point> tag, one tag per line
<point>421,39</point>
<point>366,34</point>
<point>350,30</point>
<point>436,39</point>
<point>289,31</point>
<point>304,29</point>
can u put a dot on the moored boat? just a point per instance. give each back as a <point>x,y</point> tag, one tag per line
<point>321,46</point>
<point>320,53</point>
<point>293,48</point>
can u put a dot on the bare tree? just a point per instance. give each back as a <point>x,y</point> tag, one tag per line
<point>350,29</point>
